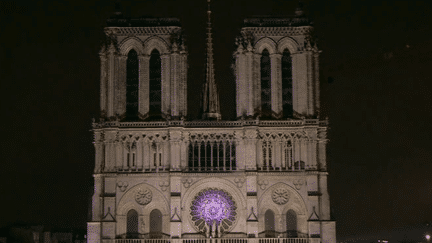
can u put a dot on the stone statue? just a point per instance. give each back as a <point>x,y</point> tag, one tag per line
<point>214,229</point>
<point>207,228</point>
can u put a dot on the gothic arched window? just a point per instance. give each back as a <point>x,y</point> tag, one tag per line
<point>155,83</point>
<point>287,87</point>
<point>132,224</point>
<point>291,224</point>
<point>265,83</point>
<point>269,224</point>
<point>132,77</point>
<point>155,224</point>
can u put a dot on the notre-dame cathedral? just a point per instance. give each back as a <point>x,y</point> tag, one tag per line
<point>160,177</point>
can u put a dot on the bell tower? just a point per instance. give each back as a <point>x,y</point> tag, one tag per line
<point>143,69</point>
<point>277,68</point>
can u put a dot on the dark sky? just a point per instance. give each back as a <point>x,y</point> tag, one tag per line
<point>378,55</point>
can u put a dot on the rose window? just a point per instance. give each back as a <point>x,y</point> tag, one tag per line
<point>213,207</point>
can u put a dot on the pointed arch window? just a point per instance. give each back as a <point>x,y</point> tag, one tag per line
<point>291,224</point>
<point>265,83</point>
<point>132,224</point>
<point>155,224</point>
<point>155,83</point>
<point>132,77</point>
<point>287,87</point>
<point>269,224</point>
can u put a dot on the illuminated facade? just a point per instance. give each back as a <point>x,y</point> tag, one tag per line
<point>159,176</point>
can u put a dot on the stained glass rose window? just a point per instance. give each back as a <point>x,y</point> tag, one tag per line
<point>213,206</point>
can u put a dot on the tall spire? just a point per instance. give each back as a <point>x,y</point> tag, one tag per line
<point>210,104</point>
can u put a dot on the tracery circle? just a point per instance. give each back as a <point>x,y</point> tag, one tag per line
<point>213,206</point>
<point>280,196</point>
<point>143,197</point>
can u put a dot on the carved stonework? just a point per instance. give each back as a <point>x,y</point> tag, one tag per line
<point>263,184</point>
<point>164,185</point>
<point>298,183</point>
<point>143,197</point>
<point>239,182</point>
<point>187,182</point>
<point>280,196</point>
<point>122,185</point>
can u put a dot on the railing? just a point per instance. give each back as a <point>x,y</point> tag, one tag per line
<point>215,240</point>
<point>238,123</point>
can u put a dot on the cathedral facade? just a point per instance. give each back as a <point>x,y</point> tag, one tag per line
<point>160,177</point>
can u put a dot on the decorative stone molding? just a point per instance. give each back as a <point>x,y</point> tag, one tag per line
<point>187,182</point>
<point>298,183</point>
<point>122,185</point>
<point>263,184</point>
<point>280,196</point>
<point>143,197</point>
<point>164,185</point>
<point>140,30</point>
<point>239,182</point>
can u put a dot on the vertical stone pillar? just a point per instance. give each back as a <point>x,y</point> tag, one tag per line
<point>121,85</point>
<point>111,80</point>
<point>139,152</point>
<point>98,148</point>
<point>146,156</point>
<point>310,86</point>
<point>183,84</point>
<point>175,81</point>
<point>249,83</point>
<point>103,83</point>
<point>317,83</point>
<point>97,198</point>
<point>240,70</point>
<point>322,156</point>
<point>259,155</point>
<point>324,198</point>
<point>165,76</point>
<point>118,157</point>
<point>256,82</point>
<point>276,83</point>
<point>144,82</point>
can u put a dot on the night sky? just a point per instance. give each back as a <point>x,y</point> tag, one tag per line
<point>375,88</point>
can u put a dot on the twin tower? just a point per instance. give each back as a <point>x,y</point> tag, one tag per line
<point>160,177</point>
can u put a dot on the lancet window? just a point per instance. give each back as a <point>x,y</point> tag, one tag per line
<point>155,98</point>
<point>155,224</point>
<point>267,154</point>
<point>287,155</point>
<point>212,155</point>
<point>287,97</point>
<point>291,224</point>
<point>156,155</point>
<point>269,224</point>
<point>265,83</point>
<point>132,77</point>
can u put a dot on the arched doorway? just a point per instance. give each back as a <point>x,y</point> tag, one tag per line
<point>269,224</point>
<point>155,224</point>
<point>291,224</point>
<point>132,225</point>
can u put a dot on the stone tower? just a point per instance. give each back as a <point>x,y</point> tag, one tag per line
<point>161,178</point>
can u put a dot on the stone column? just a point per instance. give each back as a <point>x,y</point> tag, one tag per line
<point>139,152</point>
<point>175,80</point>
<point>256,82</point>
<point>317,83</point>
<point>249,84</point>
<point>310,86</point>
<point>103,84</point>
<point>111,80</point>
<point>121,85</point>
<point>240,69</point>
<point>183,84</point>
<point>97,198</point>
<point>276,83</point>
<point>166,82</point>
<point>144,81</point>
